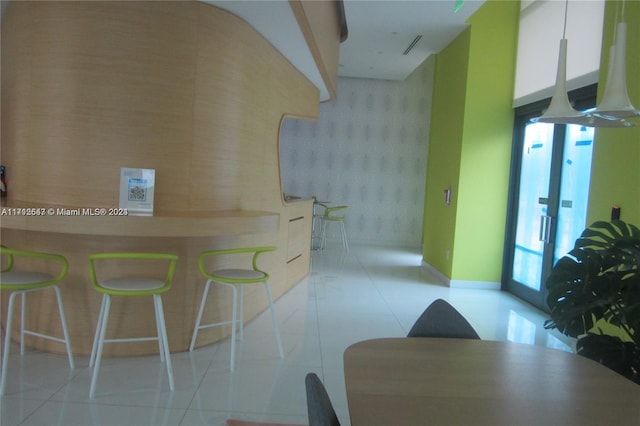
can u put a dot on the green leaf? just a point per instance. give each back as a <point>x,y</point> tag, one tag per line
<point>611,351</point>
<point>598,280</point>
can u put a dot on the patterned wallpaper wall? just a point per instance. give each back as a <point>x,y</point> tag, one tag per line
<point>368,150</point>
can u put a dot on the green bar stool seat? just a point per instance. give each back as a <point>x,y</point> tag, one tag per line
<point>130,286</point>
<point>236,279</point>
<point>23,282</point>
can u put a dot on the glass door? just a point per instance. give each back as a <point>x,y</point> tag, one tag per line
<point>548,202</point>
<point>533,217</point>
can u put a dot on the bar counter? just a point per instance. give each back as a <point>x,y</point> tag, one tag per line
<point>118,222</point>
<point>202,105</point>
<point>183,234</point>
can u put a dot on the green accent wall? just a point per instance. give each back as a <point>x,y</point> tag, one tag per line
<point>445,142</point>
<point>615,175</point>
<point>470,146</point>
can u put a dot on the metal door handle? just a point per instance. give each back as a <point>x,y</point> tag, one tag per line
<point>545,228</point>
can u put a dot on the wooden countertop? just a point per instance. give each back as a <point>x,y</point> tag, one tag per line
<point>116,222</point>
<point>417,381</point>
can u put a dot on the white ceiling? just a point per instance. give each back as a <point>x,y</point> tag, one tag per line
<point>379,32</point>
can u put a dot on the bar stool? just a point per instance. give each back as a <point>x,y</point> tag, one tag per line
<point>235,278</point>
<point>23,282</point>
<point>336,215</point>
<point>130,286</point>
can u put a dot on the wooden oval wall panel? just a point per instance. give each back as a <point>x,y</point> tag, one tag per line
<point>182,87</point>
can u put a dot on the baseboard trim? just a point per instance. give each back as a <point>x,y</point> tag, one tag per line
<point>436,275</point>
<point>478,285</point>
<point>441,278</point>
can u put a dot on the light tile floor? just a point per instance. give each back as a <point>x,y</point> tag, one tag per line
<point>368,292</point>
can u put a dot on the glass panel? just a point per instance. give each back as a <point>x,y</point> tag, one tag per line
<point>534,192</point>
<point>574,188</point>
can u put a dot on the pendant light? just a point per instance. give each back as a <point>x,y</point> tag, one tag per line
<point>560,110</point>
<point>592,120</point>
<point>615,103</point>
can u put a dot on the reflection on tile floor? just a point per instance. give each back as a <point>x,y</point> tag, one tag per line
<point>368,292</point>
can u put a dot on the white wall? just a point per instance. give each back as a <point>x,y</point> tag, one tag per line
<point>541,27</point>
<point>367,150</point>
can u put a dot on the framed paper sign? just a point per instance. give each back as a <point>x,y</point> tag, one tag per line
<point>136,190</point>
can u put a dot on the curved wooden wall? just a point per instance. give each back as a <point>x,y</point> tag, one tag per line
<point>181,87</point>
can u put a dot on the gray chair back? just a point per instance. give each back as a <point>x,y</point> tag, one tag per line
<point>319,407</point>
<point>440,319</point>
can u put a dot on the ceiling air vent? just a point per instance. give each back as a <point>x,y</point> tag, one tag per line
<point>412,45</point>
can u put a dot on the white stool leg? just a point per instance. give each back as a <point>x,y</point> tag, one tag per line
<point>65,330</point>
<point>234,311</point>
<point>273,319</point>
<point>163,337</point>
<point>159,333</point>
<point>345,243</point>
<point>23,316</point>
<point>104,316</point>
<point>96,337</point>
<point>7,343</point>
<point>240,319</point>
<point>199,318</point>
<point>323,235</point>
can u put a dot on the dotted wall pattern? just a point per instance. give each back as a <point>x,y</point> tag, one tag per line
<point>368,150</point>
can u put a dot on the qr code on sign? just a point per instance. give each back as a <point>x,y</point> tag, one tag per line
<point>137,189</point>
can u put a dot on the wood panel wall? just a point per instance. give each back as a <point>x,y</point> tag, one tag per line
<point>182,87</point>
<point>187,89</point>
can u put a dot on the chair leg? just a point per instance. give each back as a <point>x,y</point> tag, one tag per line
<point>96,336</point>
<point>23,317</point>
<point>65,330</point>
<point>162,337</point>
<point>159,332</point>
<point>200,312</point>
<point>234,319</point>
<point>316,232</point>
<point>104,316</point>
<point>345,243</point>
<point>240,318</point>
<point>7,343</point>
<point>273,319</point>
<point>323,235</point>
<point>234,313</point>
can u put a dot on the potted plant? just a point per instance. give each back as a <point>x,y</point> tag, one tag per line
<point>594,296</point>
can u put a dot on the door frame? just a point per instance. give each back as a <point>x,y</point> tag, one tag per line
<point>581,99</point>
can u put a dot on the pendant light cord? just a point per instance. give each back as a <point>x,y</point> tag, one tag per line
<point>619,18</point>
<point>564,29</point>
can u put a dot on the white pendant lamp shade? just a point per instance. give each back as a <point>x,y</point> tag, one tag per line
<point>560,110</point>
<point>592,120</point>
<point>615,105</point>
<point>615,102</point>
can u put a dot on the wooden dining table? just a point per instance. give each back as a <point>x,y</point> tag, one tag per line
<point>436,381</point>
